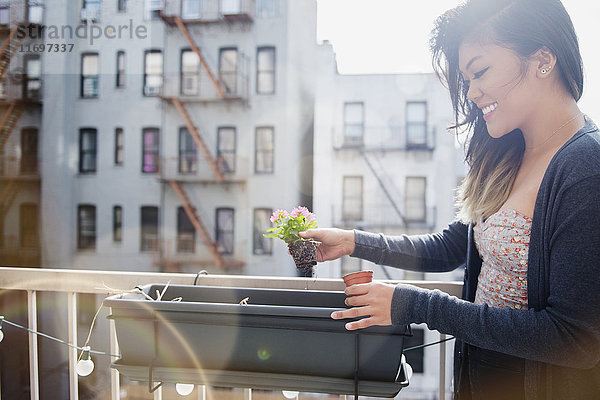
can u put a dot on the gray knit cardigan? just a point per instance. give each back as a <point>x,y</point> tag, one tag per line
<point>559,334</point>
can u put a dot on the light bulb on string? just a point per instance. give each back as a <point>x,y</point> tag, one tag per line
<point>85,365</point>
<point>290,394</point>
<point>1,331</point>
<point>184,389</point>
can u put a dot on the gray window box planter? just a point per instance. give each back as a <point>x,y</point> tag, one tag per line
<point>282,339</point>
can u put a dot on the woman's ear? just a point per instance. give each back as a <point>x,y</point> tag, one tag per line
<point>545,62</point>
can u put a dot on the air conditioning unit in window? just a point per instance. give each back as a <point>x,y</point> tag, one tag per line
<point>152,90</point>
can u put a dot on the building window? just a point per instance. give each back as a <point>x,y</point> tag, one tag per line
<point>224,230</point>
<point>415,357</point>
<point>228,65</point>
<point>416,124</point>
<point>28,225</point>
<point>190,73</point>
<point>35,11</point>
<point>354,123</point>
<point>117,224</point>
<point>262,222</point>
<point>4,12</point>
<point>89,75</point>
<point>90,10</point>
<point>231,7</point>
<point>265,70</point>
<point>29,151</point>
<point>149,228</point>
<point>87,150</point>
<point>86,227</point>
<point>352,200</point>
<point>153,72</point>
<point>119,146</point>
<point>152,8</point>
<point>188,153</point>
<point>186,234</point>
<point>191,9</point>
<point>264,150</point>
<point>32,82</point>
<point>150,150</point>
<point>121,5</point>
<point>226,149</point>
<point>120,82</point>
<point>415,198</point>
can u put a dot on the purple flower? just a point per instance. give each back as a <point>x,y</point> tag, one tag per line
<point>300,211</point>
<point>278,214</point>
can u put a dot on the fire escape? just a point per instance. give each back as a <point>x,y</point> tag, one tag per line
<point>15,171</point>
<point>223,94</point>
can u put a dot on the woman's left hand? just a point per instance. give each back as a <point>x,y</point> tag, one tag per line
<point>371,300</point>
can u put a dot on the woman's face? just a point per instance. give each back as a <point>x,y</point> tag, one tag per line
<point>497,85</point>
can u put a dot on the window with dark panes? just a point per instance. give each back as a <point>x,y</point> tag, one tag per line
<point>226,149</point>
<point>89,75</point>
<point>415,209</point>
<point>117,224</point>
<point>153,72</point>
<point>150,150</point>
<point>29,151</point>
<point>265,70</point>
<point>188,153</point>
<point>119,146</point>
<point>352,198</point>
<point>87,150</point>
<point>354,123</point>
<point>120,69</point>
<point>186,234</point>
<point>152,8</point>
<point>228,66</point>
<point>262,222</point>
<point>32,82</point>
<point>190,73</point>
<point>416,124</point>
<point>28,225</point>
<point>91,10</point>
<point>121,5</point>
<point>149,228</point>
<point>264,150</point>
<point>224,228</point>
<point>86,227</point>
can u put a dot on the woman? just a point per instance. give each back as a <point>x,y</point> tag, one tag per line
<point>529,322</point>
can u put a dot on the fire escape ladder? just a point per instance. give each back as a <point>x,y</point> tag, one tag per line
<point>190,210</point>
<point>8,122</point>
<point>198,139</point>
<point>181,25</point>
<point>7,197</point>
<point>8,48</point>
<point>379,176</point>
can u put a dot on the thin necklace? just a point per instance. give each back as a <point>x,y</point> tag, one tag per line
<point>553,133</point>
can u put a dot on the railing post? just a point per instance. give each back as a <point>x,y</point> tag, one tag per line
<point>33,345</point>
<point>72,327</point>
<point>442,394</point>
<point>247,394</point>
<point>201,392</point>
<point>157,392</point>
<point>115,389</point>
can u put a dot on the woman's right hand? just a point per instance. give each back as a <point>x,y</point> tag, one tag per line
<point>334,242</point>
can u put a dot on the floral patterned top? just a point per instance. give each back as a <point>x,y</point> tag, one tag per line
<point>503,244</point>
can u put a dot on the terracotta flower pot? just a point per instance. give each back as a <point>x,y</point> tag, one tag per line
<point>304,253</point>
<point>355,278</point>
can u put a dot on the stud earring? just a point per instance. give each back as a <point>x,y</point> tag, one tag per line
<point>546,69</point>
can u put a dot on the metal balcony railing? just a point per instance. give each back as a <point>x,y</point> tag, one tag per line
<point>383,215</point>
<point>190,168</point>
<point>384,138</point>
<point>76,282</point>
<point>26,167</point>
<point>211,10</point>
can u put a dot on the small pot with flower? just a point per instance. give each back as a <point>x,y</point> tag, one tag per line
<point>287,226</point>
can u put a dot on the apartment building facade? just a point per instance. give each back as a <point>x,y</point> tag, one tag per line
<point>170,130</point>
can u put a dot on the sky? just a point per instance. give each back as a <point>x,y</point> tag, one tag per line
<point>392,36</point>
